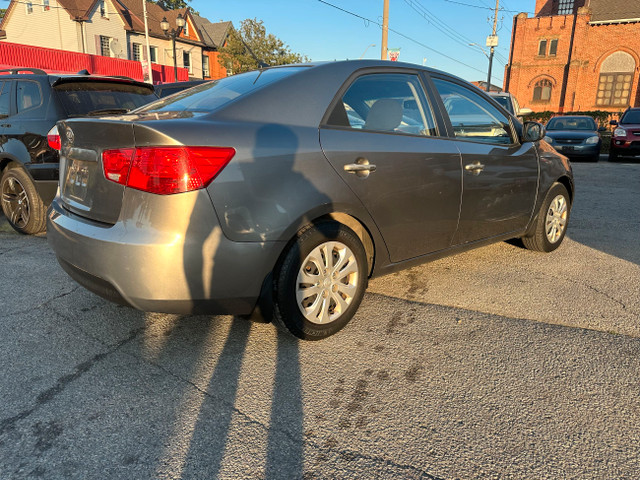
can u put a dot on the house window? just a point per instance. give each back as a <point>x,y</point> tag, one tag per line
<point>29,6</point>
<point>542,91</point>
<point>553,47</point>
<point>104,46</point>
<point>205,66</point>
<point>153,52</point>
<point>542,48</point>
<point>565,7</point>
<point>103,10</point>
<point>186,60</point>
<point>45,6</point>
<point>186,29</point>
<point>616,80</point>
<point>136,49</point>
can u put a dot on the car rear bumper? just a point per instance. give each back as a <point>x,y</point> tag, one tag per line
<point>164,254</point>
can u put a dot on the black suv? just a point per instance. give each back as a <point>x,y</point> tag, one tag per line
<point>31,102</point>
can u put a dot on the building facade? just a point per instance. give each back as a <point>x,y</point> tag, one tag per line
<point>111,28</point>
<point>576,55</point>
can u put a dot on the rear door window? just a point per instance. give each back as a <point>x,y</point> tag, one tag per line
<point>87,98</point>
<point>5,103</point>
<point>385,102</point>
<point>28,95</point>
<point>472,116</point>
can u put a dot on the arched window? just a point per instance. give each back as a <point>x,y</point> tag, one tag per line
<point>542,91</point>
<point>616,80</point>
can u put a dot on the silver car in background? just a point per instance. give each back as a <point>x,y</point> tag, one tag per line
<point>285,189</point>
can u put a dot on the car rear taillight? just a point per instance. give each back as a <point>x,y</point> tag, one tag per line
<point>53,138</point>
<point>165,170</point>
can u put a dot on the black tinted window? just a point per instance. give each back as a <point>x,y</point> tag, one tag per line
<point>83,98</point>
<point>504,101</point>
<point>632,116</point>
<point>385,103</point>
<point>472,116</point>
<point>5,89</point>
<point>28,95</point>
<point>212,95</point>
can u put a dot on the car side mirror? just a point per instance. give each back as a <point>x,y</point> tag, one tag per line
<point>532,132</point>
<point>613,122</point>
<point>602,129</point>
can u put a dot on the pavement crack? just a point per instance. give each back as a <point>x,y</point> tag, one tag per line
<point>43,304</point>
<point>63,382</point>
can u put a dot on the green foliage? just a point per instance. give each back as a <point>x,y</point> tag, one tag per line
<point>601,117</point>
<point>250,38</point>
<point>2,12</point>
<point>175,5</point>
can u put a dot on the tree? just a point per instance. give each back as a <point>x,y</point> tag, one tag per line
<point>250,45</point>
<point>175,5</point>
<point>2,12</point>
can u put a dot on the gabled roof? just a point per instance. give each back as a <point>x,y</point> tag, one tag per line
<point>213,34</point>
<point>614,11</point>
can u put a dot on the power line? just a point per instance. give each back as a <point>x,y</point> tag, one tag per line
<point>401,35</point>
<point>485,8</point>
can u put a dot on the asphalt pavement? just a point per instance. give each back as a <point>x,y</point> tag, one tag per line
<point>496,363</point>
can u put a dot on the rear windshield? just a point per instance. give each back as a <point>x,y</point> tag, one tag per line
<point>571,123</point>
<point>87,98</point>
<point>212,95</point>
<point>632,116</point>
<point>504,101</point>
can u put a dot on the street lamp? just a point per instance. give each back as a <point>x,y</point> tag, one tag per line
<point>365,50</point>
<point>173,33</point>
<point>490,57</point>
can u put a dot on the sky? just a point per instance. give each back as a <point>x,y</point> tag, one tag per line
<point>435,33</point>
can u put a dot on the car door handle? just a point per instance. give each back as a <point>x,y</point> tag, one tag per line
<point>475,168</point>
<point>362,167</point>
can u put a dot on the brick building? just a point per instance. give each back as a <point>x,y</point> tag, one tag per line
<point>576,55</point>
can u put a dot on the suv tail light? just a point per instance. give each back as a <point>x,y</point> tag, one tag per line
<point>165,170</point>
<point>53,138</point>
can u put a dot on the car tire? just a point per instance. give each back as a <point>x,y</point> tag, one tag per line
<point>551,222</point>
<point>613,156</point>
<point>21,203</point>
<point>595,158</point>
<point>332,260</point>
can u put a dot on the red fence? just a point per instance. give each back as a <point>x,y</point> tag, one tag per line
<point>164,74</point>
<point>63,61</point>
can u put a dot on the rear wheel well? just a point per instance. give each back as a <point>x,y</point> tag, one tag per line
<point>359,229</point>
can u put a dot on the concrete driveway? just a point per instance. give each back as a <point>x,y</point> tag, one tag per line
<point>496,363</point>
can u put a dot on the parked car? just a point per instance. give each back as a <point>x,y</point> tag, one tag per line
<point>31,102</point>
<point>626,136</point>
<point>166,89</point>
<point>576,136</point>
<point>257,190</point>
<point>510,103</point>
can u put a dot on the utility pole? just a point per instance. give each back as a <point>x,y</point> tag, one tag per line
<point>385,29</point>
<point>146,35</point>
<point>492,42</point>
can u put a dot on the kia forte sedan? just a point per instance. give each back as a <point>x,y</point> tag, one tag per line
<point>285,189</point>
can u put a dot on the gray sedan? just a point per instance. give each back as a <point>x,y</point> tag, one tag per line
<point>284,190</point>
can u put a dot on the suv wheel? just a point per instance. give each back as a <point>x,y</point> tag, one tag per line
<point>21,203</point>
<point>613,155</point>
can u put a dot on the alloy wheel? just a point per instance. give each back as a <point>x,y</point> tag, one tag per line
<point>15,202</point>
<point>556,220</point>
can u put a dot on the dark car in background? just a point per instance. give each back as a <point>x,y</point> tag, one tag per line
<point>31,102</point>
<point>166,89</point>
<point>288,187</point>
<point>625,140</point>
<point>510,103</point>
<point>576,136</point>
